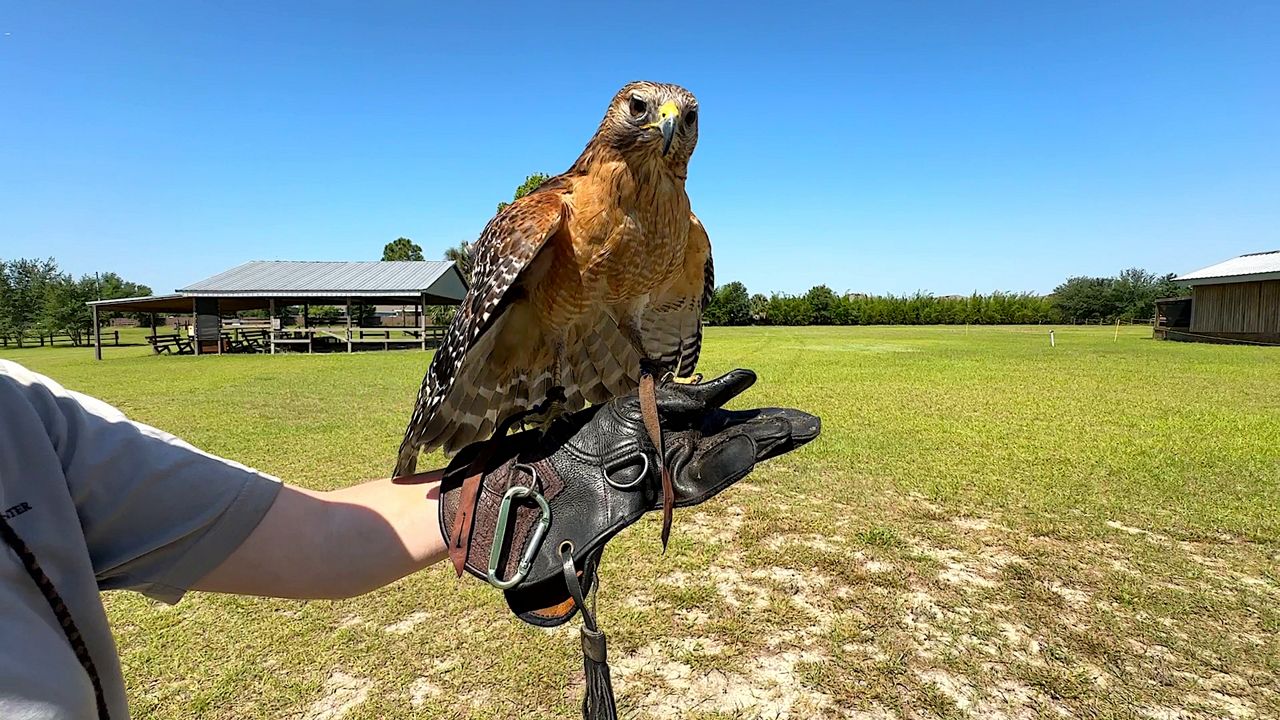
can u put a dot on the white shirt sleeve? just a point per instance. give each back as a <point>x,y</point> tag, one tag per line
<point>157,514</point>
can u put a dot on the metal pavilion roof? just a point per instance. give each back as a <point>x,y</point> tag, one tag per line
<point>286,278</point>
<point>1245,268</point>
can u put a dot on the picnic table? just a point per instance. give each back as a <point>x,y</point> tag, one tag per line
<point>170,344</point>
<point>238,340</point>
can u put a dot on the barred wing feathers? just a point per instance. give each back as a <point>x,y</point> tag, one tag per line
<point>508,244</point>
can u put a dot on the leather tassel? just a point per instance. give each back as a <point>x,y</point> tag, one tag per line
<point>598,703</point>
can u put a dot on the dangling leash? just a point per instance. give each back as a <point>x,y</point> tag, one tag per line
<point>649,413</point>
<point>597,702</point>
<point>60,611</point>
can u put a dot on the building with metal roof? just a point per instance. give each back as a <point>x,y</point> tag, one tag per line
<point>1236,300</point>
<point>290,279</point>
<point>1251,267</point>
<point>274,284</point>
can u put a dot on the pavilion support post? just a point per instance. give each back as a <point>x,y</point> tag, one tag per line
<point>422,319</point>
<point>97,335</point>
<point>153,330</point>
<point>271,323</point>
<point>194,328</point>
<point>306,323</point>
<point>348,324</point>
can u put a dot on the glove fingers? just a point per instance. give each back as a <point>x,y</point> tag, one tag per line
<point>730,455</point>
<point>677,399</point>
<point>801,428</point>
<point>721,465</point>
<point>774,430</point>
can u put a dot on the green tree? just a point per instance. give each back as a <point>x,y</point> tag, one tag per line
<point>1131,295</point>
<point>361,314</point>
<point>1167,288</point>
<point>730,305</point>
<point>1135,291</point>
<point>63,309</point>
<point>789,310</point>
<point>324,314</point>
<point>461,255</point>
<point>759,308</point>
<point>24,285</point>
<point>1081,299</point>
<point>530,184</point>
<point>402,249</point>
<point>844,311</point>
<point>6,301</point>
<point>822,301</point>
<point>439,314</point>
<point>110,286</point>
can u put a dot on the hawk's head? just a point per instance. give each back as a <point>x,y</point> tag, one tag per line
<point>654,120</point>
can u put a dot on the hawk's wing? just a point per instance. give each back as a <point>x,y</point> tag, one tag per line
<point>672,323</point>
<point>506,247</point>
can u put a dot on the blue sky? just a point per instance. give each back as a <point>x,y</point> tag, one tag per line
<point>887,147</point>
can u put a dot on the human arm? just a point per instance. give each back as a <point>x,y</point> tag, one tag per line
<point>159,516</point>
<point>347,542</point>
<point>336,544</point>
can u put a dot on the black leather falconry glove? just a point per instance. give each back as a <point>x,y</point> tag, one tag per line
<point>531,512</point>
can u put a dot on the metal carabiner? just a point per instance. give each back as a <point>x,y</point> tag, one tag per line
<point>500,534</point>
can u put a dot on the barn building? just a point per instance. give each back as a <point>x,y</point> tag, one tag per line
<point>1237,300</point>
<point>214,304</point>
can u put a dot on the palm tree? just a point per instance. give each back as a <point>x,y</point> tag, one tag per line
<point>461,255</point>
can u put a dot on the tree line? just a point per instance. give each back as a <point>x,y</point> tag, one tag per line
<point>36,298</point>
<point>1129,296</point>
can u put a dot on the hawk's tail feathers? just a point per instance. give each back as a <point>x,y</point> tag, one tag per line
<point>407,462</point>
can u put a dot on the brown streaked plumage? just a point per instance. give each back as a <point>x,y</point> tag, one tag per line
<point>577,283</point>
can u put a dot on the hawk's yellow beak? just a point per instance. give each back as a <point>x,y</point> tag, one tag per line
<point>668,116</point>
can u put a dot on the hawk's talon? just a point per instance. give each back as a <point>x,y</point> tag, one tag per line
<point>543,415</point>
<point>555,410</point>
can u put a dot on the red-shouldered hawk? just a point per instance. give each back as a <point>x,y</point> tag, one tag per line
<point>576,284</point>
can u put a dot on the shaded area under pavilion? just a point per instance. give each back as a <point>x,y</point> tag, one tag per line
<point>213,304</point>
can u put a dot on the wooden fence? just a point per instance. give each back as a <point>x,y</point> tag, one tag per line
<point>40,340</point>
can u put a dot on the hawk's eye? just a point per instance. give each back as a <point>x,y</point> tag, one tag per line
<point>638,107</point>
<point>691,117</point>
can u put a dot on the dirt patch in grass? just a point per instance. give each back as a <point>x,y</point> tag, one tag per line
<point>342,693</point>
<point>407,625</point>
<point>423,689</point>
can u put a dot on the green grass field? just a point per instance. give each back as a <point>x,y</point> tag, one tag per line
<point>988,528</point>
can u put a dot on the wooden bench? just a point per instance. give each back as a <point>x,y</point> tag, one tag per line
<point>240,340</point>
<point>171,344</point>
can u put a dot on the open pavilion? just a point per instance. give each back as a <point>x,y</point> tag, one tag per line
<point>268,285</point>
